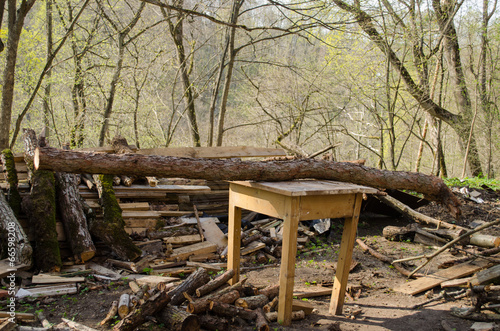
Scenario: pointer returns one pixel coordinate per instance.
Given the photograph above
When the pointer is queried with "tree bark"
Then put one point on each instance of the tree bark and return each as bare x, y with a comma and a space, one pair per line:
73, 217
227, 310
16, 18
163, 166
40, 206
214, 323
215, 283
197, 279
176, 319
110, 229
253, 302
12, 232
13, 195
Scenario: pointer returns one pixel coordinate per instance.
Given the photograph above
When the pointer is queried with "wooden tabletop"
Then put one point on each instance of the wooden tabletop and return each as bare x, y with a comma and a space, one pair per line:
308, 187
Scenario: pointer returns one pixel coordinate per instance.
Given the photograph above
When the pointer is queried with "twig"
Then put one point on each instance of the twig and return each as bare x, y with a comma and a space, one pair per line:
198, 222
451, 243
442, 295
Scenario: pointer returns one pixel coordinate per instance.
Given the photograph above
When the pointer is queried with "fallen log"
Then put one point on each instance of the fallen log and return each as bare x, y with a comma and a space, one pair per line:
176, 319
252, 302
203, 304
197, 279
163, 166
296, 316
113, 310
261, 322
215, 283
214, 323
73, 217
227, 310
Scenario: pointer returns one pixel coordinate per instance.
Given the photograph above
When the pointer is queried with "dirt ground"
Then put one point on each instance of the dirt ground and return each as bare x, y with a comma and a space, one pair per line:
378, 307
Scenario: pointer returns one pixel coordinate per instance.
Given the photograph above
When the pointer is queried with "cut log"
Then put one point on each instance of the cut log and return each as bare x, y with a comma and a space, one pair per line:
12, 235
113, 310
270, 291
227, 310
485, 276
12, 181
110, 228
261, 322
215, 283
253, 302
271, 306
142, 165
123, 305
73, 217
138, 316
40, 206
197, 279
176, 319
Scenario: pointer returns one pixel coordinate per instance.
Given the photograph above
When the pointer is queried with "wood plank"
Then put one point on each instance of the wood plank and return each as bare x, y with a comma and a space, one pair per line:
134, 206
252, 247
300, 294
193, 221
195, 249
213, 233
52, 279
175, 213
99, 269
183, 240
153, 280
209, 266
45, 291
214, 152
428, 282
140, 214
140, 223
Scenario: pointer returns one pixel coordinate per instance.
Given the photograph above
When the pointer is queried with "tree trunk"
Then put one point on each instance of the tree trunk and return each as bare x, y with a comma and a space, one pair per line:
12, 232
253, 302
13, 195
40, 206
176, 319
73, 217
111, 228
16, 18
162, 166
214, 323
227, 310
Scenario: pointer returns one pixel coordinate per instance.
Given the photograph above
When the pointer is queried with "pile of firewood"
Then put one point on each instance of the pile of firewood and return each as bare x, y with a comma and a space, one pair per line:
199, 300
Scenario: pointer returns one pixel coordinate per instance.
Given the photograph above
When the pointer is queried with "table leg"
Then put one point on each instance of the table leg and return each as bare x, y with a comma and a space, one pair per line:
288, 253
234, 241
344, 260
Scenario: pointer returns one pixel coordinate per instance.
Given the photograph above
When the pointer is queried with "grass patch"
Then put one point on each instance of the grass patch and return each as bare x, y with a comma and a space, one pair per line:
475, 182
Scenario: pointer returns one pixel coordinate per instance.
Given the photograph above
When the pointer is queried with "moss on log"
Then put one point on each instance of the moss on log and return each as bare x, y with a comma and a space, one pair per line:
110, 229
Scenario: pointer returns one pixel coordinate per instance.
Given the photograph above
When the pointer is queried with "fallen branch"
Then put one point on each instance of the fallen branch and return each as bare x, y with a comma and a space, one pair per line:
445, 247
385, 259
442, 295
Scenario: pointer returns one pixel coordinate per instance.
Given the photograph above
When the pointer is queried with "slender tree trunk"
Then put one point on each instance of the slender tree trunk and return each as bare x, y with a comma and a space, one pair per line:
16, 18
46, 99
229, 71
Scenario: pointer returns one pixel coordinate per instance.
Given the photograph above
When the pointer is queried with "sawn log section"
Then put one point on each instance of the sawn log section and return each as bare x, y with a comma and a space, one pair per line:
164, 166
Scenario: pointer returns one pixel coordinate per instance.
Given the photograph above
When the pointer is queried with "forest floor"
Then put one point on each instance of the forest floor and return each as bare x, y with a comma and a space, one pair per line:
378, 307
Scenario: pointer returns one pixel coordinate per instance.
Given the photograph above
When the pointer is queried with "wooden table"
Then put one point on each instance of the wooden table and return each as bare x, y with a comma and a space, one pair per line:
295, 201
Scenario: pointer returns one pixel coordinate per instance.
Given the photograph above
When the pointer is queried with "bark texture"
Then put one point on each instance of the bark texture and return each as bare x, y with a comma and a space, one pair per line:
11, 176
12, 231
73, 217
163, 166
110, 229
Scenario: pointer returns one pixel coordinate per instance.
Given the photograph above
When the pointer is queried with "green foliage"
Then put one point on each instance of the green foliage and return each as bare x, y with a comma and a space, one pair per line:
474, 182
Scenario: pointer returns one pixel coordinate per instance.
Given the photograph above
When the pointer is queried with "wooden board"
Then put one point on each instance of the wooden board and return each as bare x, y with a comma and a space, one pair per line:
180, 240
134, 206
43, 291
213, 233
140, 223
428, 282
140, 214
214, 152
153, 280
51, 279
195, 249
308, 187
193, 221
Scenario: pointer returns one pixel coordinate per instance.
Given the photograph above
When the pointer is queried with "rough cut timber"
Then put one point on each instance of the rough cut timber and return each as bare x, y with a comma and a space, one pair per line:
73, 217
163, 166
